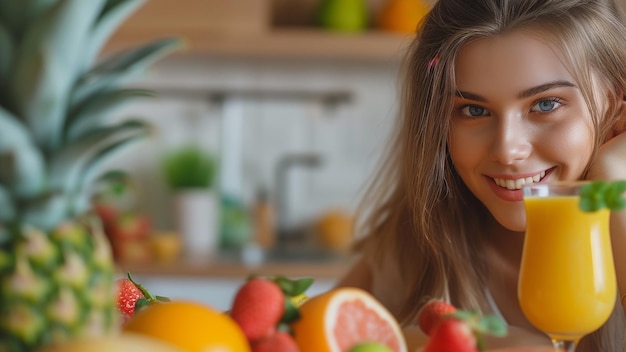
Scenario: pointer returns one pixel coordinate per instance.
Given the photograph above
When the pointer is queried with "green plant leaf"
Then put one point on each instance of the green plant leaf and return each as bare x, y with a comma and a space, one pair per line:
22, 166
291, 313
112, 15
46, 67
597, 195
120, 67
189, 167
93, 113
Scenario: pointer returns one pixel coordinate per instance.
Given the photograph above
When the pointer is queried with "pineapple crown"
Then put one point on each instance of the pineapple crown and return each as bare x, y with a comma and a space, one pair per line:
55, 97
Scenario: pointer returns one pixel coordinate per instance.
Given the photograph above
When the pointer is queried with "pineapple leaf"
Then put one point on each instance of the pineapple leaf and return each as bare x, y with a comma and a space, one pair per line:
22, 167
92, 113
92, 169
113, 13
68, 166
18, 16
46, 211
6, 48
7, 211
46, 61
119, 68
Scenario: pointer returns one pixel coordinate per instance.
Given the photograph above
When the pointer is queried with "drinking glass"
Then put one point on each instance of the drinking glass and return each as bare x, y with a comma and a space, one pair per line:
567, 284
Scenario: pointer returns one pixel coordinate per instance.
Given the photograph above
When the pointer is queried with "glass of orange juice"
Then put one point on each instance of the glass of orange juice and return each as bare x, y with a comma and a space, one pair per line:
567, 284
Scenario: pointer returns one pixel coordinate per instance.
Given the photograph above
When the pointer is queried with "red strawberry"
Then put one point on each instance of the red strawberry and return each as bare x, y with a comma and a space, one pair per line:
432, 313
258, 307
451, 335
127, 296
279, 341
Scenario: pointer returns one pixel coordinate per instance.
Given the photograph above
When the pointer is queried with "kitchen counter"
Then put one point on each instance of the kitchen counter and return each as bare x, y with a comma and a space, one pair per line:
216, 280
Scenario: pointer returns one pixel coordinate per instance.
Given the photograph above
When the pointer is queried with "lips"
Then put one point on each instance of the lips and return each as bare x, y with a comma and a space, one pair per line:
510, 189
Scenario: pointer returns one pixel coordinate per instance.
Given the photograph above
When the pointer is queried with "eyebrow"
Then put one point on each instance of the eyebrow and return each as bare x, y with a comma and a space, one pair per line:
523, 94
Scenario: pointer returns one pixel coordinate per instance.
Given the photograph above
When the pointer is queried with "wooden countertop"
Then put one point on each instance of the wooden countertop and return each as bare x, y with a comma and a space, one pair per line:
231, 267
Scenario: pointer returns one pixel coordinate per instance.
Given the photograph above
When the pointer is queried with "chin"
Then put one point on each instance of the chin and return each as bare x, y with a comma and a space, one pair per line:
515, 224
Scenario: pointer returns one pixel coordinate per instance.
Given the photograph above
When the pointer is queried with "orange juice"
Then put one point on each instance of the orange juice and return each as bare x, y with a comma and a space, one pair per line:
567, 285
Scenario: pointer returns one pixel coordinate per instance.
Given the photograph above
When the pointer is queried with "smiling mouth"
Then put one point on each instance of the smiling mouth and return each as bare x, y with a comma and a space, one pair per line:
515, 184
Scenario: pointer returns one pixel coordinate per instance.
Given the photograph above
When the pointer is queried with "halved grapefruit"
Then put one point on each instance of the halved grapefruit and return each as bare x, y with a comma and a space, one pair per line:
339, 319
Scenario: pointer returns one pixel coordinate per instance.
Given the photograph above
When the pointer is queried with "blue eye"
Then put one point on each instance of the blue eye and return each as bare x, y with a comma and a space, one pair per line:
474, 110
546, 105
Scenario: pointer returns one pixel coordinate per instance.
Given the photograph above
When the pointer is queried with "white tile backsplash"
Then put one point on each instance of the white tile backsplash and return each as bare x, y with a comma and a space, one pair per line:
349, 136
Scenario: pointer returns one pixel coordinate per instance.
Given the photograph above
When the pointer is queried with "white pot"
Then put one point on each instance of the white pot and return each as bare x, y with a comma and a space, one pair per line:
197, 219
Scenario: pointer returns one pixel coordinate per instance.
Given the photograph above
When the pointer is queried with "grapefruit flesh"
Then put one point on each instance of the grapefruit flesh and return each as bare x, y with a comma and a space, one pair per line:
342, 318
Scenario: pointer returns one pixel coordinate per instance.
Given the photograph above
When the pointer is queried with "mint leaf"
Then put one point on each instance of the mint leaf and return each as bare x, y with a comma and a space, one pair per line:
600, 194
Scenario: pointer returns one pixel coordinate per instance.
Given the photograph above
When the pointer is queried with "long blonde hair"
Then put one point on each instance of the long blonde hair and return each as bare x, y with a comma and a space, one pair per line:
424, 219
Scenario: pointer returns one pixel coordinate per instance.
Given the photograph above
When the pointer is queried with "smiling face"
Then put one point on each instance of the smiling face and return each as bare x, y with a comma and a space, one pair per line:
518, 118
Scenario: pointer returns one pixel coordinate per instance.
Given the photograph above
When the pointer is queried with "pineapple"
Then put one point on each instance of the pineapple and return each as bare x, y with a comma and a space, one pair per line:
56, 268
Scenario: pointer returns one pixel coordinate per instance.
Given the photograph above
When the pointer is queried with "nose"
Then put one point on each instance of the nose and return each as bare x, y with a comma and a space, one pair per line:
511, 142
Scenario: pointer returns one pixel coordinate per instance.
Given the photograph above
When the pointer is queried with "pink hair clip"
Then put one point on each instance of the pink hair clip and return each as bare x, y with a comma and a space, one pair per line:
433, 62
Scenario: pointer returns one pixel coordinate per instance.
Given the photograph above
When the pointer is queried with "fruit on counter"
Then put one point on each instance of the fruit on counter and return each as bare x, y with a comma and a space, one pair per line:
191, 326
461, 331
341, 318
402, 16
452, 335
370, 347
432, 313
55, 284
258, 307
343, 15
125, 342
334, 230
132, 297
279, 341
127, 296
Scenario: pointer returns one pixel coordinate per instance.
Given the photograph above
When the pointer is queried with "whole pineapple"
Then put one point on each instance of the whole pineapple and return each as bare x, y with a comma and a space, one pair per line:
56, 269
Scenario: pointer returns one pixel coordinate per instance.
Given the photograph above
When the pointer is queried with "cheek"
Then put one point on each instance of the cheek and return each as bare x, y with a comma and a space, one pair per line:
464, 147
571, 144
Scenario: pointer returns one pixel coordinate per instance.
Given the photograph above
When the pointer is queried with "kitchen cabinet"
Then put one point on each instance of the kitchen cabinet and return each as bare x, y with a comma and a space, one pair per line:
244, 28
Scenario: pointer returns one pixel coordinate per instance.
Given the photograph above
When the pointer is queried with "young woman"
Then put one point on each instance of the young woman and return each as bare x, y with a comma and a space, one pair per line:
498, 93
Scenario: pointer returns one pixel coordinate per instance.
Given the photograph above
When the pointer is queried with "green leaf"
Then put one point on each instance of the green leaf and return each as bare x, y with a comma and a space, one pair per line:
600, 194
46, 211
22, 166
291, 287
492, 325
291, 313
93, 113
118, 68
7, 210
46, 66
6, 56
112, 15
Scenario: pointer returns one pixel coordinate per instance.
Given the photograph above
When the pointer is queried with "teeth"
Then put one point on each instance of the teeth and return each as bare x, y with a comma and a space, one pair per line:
520, 182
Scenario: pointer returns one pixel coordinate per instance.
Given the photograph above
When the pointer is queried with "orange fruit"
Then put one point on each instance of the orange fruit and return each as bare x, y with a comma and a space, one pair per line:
126, 342
191, 326
340, 319
402, 16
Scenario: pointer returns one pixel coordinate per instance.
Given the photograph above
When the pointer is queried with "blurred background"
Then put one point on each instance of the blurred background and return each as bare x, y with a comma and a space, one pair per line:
268, 125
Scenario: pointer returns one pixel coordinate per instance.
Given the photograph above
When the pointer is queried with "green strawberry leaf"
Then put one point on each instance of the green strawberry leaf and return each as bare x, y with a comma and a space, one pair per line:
492, 325
291, 313
291, 287
600, 194
141, 304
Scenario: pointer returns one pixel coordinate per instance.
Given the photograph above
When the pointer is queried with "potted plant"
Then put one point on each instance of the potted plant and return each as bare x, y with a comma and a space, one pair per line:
190, 172
56, 268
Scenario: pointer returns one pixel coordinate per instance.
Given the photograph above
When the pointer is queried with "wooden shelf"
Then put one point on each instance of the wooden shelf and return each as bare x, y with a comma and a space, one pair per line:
220, 268
313, 44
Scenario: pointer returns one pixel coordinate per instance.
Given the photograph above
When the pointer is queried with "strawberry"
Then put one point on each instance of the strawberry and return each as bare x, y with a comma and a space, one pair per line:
127, 296
432, 313
279, 341
132, 296
258, 307
451, 335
